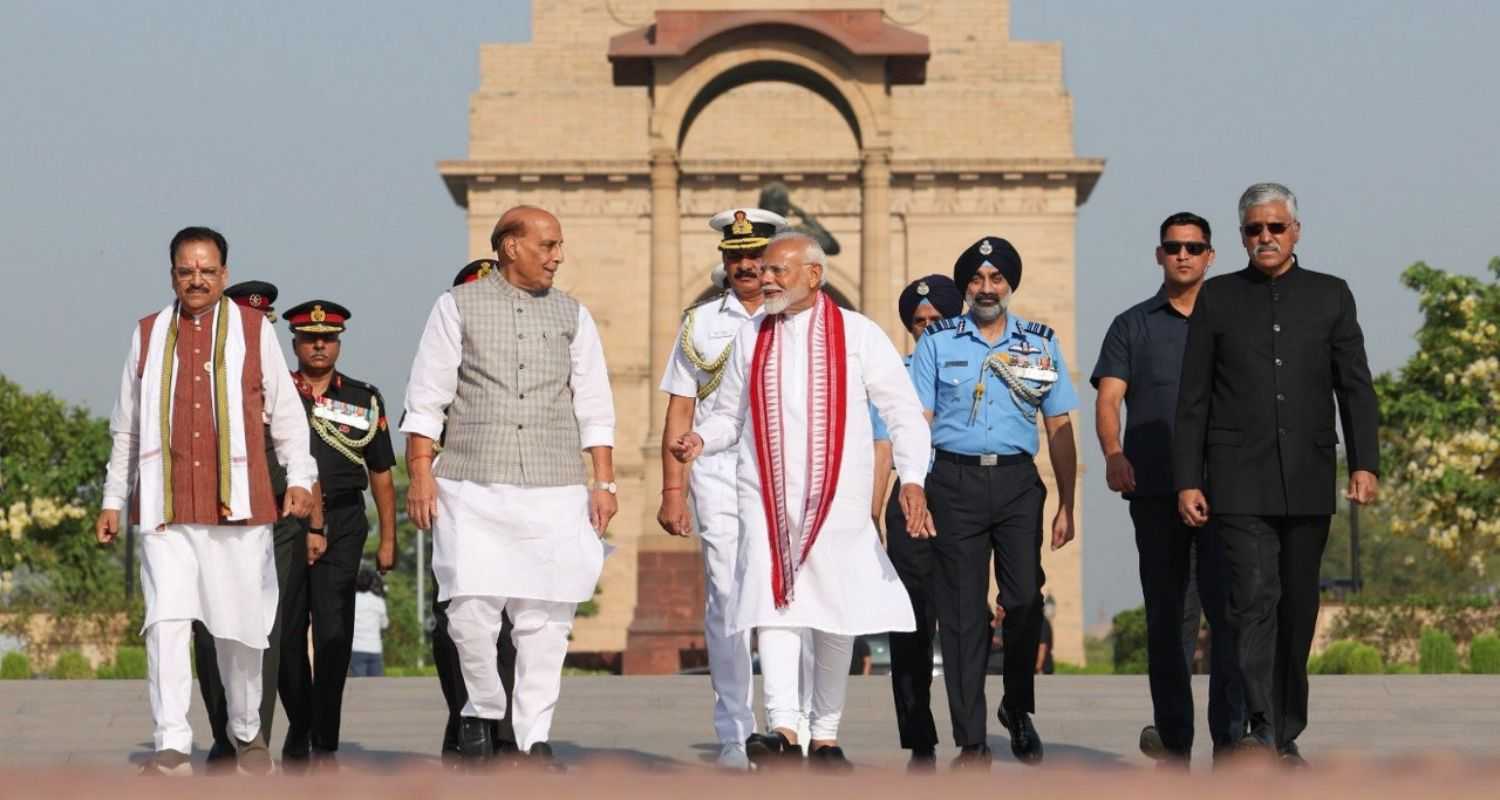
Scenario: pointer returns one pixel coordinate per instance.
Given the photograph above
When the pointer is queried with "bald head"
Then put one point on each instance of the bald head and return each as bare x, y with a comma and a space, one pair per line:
528, 244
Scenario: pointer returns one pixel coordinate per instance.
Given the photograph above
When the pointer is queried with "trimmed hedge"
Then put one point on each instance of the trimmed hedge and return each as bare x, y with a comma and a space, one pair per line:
71, 666
1484, 654
1437, 653
129, 664
1346, 657
15, 666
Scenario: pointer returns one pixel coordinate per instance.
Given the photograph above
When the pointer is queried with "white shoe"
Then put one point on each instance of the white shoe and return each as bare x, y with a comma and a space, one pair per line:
732, 757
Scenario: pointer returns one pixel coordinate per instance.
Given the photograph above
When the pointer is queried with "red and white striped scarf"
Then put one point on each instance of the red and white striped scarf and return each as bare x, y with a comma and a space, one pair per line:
827, 389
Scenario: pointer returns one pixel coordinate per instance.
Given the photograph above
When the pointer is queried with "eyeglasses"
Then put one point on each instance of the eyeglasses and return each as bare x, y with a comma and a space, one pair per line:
185, 274
1276, 228
1193, 248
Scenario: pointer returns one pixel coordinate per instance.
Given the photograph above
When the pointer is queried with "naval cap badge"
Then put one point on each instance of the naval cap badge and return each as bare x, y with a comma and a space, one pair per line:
741, 226
985, 248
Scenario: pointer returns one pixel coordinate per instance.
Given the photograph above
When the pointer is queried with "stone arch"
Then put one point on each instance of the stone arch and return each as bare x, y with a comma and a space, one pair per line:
686, 94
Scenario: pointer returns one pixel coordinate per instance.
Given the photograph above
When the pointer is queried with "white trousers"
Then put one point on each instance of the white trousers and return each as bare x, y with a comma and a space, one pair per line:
729, 663
169, 681
539, 629
782, 656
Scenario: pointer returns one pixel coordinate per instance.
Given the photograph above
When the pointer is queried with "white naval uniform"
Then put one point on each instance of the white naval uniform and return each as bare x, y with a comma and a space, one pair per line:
531, 551
206, 572
715, 510
847, 585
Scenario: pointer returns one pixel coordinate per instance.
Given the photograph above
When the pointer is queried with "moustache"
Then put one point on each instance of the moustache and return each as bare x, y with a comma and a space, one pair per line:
1268, 248
987, 299
746, 273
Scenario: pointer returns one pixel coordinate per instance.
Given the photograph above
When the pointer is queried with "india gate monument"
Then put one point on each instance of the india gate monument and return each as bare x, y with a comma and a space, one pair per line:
901, 131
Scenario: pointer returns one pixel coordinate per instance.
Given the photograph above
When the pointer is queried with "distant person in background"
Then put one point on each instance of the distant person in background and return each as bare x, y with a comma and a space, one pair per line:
365, 659
1044, 644
863, 660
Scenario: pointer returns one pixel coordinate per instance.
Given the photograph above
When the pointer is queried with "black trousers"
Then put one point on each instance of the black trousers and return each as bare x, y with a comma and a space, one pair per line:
316, 695
451, 678
1168, 552
289, 537
1273, 564
979, 512
911, 653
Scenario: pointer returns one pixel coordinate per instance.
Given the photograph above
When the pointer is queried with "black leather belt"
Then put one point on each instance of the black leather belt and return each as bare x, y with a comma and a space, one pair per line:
986, 460
343, 500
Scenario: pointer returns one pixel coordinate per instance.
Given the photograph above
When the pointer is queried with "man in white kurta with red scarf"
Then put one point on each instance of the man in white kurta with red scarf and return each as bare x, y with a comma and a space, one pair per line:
803, 379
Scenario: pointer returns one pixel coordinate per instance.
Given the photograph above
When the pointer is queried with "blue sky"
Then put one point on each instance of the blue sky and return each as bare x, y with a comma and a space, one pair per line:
310, 132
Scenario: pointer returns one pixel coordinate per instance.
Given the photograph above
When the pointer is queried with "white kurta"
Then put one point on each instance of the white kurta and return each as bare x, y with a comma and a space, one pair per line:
501, 540
206, 572
847, 584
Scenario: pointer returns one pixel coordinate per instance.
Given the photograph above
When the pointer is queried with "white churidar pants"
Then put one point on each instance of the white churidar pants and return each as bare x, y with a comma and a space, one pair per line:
169, 672
781, 664
225, 576
540, 631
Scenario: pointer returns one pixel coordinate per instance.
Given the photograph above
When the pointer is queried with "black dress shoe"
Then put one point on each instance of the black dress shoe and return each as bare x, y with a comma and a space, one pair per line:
474, 743
772, 749
1291, 756
1151, 745
221, 751
540, 755
1025, 743
829, 758
923, 759
973, 756
450, 752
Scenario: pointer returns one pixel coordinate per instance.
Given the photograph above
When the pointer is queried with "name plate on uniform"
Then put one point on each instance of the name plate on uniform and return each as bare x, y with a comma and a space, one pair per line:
342, 413
1036, 374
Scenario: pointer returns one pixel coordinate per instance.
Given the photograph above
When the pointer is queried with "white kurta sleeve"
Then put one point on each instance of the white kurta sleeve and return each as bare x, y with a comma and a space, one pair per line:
681, 378
731, 406
889, 387
593, 400
433, 382
125, 431
289, 430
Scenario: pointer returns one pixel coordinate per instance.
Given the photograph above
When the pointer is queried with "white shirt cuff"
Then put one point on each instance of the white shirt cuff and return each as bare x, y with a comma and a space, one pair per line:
114, 503
597, 436
423, 425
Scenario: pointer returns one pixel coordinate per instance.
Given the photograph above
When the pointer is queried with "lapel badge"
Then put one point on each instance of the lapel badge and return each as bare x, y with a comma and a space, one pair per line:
985, 248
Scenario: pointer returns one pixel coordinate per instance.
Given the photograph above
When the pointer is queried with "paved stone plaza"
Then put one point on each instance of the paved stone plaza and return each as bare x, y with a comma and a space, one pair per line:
664, 722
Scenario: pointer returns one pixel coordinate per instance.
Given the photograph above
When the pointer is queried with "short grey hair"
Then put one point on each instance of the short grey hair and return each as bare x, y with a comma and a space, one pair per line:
812, 252
1261, 193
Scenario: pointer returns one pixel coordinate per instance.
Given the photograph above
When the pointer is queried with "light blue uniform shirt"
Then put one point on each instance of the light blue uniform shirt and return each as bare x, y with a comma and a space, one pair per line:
948, 362
882, 434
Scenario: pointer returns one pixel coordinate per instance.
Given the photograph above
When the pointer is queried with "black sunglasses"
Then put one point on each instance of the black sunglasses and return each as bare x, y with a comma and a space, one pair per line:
1193, 248
1276, 228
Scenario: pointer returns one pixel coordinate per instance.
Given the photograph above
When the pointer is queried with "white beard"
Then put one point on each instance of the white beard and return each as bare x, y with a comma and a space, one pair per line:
778, 304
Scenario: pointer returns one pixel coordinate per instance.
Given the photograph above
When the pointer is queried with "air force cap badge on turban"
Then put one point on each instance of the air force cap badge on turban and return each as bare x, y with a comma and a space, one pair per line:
474, 270
991, 250
317, 316
935, 289
259, 295
746, 228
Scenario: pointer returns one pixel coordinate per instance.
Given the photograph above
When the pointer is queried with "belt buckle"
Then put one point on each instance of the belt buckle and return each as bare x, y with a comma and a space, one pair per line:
989, 459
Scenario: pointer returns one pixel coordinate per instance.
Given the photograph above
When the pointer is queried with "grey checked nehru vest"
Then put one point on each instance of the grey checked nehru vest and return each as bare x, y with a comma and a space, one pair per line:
512, 419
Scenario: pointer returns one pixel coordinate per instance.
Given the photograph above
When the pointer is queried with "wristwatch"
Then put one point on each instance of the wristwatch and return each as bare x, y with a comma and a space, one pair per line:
606, 486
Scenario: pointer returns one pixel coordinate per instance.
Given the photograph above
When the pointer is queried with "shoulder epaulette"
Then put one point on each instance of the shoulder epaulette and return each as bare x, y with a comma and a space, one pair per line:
712, 299
955, 324
1039, 329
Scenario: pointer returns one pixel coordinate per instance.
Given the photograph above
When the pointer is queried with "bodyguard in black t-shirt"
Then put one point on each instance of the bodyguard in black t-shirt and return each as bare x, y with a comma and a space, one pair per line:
1140, 363
353, 448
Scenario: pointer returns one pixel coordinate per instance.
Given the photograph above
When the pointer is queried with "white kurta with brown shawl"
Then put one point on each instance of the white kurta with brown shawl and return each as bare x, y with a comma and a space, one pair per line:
846, 585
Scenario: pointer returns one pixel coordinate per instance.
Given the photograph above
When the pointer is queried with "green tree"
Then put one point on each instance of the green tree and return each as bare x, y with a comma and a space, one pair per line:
1441, 420
1128, 629
52, 459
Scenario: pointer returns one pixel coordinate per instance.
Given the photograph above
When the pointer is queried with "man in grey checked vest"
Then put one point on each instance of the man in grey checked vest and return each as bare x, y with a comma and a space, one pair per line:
515, 369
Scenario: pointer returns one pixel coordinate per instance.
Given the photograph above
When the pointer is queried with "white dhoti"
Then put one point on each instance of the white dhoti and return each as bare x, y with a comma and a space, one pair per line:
528, 551
224, 576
